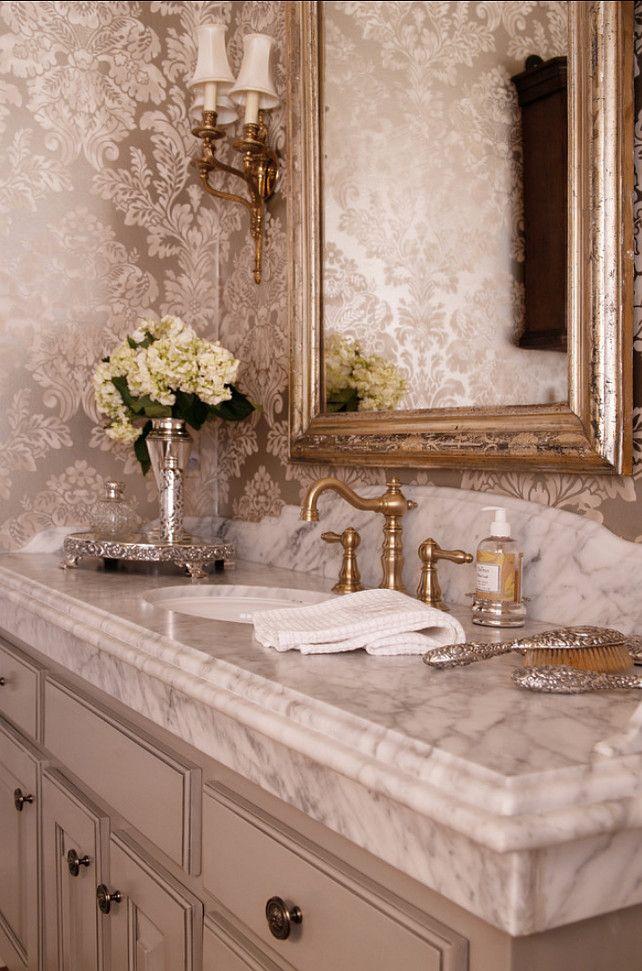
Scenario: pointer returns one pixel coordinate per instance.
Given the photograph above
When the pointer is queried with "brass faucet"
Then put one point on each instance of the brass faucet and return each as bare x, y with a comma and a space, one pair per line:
392, 505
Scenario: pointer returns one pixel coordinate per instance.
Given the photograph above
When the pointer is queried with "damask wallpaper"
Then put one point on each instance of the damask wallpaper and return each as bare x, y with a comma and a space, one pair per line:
422, 205
102, 220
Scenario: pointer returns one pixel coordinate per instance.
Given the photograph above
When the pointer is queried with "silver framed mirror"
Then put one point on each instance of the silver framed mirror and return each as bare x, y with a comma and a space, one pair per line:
589, 428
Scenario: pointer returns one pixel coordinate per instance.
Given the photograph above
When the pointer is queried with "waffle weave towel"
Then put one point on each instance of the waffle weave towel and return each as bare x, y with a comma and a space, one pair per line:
380, 621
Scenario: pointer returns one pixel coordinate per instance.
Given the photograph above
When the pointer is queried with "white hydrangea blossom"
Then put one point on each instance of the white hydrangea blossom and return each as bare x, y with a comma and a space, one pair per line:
378, 383
341, 356
168, 356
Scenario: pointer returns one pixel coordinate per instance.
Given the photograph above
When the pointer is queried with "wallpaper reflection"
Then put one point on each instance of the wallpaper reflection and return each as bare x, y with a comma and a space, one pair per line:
423, 209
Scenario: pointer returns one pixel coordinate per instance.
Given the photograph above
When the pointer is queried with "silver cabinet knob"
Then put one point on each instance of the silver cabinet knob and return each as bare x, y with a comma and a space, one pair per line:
106, 898
19, 799
280, 917
74, 862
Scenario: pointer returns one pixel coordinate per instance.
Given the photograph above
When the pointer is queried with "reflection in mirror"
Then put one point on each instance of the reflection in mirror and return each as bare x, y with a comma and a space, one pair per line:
443, 188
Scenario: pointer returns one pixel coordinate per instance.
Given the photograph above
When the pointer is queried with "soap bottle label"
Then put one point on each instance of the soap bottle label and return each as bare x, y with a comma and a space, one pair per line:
498, 576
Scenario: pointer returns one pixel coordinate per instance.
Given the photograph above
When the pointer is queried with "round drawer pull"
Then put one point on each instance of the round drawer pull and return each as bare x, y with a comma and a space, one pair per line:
3, 681
74, 862
106, 898
280, 917
19, 799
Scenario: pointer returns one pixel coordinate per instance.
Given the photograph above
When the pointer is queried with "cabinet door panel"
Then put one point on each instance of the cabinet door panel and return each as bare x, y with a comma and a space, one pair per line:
158, 924
73, 930
19, 850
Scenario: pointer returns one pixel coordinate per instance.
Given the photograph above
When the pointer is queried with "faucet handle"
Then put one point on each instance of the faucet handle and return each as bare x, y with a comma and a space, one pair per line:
430, 552
349, 577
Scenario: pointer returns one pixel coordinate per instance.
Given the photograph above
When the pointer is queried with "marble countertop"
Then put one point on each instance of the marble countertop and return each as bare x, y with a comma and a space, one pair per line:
508, 770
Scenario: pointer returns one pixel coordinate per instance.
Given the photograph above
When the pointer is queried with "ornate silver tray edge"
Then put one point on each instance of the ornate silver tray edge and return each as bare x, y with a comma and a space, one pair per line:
190, 553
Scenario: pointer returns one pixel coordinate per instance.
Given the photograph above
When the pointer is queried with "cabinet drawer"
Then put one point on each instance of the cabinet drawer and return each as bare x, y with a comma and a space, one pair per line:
20, 690
347, 921
154, 789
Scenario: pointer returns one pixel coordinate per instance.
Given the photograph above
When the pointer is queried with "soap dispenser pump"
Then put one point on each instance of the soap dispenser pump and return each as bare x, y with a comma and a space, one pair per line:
498, 576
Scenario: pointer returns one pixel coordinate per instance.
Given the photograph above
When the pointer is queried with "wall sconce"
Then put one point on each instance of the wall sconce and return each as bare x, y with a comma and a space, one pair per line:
219, 93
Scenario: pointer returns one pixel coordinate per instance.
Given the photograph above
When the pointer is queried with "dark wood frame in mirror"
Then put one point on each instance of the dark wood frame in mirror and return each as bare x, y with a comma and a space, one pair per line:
593, 432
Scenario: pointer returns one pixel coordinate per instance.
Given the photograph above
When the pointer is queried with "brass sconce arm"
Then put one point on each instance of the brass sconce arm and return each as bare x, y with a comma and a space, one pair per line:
259, 173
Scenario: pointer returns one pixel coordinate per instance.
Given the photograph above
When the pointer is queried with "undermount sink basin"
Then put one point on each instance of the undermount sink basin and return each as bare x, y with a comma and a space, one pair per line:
232, 603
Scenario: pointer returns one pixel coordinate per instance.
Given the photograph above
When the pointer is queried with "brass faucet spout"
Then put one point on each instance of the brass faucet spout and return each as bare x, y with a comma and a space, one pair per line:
309, 510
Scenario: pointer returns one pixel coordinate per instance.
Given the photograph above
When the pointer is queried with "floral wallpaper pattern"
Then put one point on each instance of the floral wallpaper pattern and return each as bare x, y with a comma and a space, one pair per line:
422, 209
102, 219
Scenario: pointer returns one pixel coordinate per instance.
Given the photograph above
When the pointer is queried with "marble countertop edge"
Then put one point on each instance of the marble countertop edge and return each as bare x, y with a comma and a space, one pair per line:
504, 825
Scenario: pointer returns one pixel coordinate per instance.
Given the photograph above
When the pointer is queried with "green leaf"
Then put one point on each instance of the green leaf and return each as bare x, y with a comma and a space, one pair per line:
152, 409
120, 383
147, 340
140, 448
143, 405
191, 409
236, 408
346, 399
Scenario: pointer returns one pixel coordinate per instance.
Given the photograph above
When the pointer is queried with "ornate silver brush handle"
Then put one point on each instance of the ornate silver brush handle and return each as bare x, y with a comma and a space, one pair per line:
459, 655
569, 681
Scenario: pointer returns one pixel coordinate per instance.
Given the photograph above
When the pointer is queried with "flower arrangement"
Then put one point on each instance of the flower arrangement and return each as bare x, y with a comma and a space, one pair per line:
164, 370
355, 381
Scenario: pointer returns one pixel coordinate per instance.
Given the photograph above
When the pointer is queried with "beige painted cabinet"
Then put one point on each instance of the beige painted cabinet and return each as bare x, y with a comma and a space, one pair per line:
115, 855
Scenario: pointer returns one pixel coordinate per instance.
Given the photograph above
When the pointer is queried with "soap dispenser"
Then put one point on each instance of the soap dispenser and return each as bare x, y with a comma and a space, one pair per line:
498, 577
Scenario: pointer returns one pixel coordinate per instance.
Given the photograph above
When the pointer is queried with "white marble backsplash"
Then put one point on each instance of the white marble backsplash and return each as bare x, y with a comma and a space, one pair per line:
575, 570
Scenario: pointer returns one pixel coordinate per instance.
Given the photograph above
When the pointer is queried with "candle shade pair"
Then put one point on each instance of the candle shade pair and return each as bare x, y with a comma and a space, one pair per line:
216, 87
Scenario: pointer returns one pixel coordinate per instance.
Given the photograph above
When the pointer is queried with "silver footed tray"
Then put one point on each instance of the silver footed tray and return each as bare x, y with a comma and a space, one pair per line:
191, 553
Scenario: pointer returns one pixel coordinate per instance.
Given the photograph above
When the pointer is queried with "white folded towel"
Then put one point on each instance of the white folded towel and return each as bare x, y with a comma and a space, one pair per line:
381, 621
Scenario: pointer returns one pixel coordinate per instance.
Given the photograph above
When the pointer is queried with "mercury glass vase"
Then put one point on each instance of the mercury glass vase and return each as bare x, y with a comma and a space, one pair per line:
169, 444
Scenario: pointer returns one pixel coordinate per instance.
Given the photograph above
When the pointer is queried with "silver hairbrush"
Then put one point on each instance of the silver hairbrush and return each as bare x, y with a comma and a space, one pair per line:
585, 648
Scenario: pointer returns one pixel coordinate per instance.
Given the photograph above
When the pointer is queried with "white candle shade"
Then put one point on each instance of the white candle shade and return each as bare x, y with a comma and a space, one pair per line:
226, 112
255, 74
212, 64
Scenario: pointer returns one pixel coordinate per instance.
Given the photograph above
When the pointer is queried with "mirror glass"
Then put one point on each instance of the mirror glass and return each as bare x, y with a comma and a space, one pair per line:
444, 204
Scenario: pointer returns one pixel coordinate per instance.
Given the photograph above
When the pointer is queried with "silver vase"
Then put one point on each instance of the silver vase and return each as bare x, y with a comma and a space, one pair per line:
169, 445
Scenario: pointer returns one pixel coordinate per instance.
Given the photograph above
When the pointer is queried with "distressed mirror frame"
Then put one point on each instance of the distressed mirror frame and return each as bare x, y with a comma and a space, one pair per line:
593, 432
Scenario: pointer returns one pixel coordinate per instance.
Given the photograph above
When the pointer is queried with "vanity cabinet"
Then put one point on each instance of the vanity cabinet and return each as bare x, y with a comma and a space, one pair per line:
19, 811
124, 849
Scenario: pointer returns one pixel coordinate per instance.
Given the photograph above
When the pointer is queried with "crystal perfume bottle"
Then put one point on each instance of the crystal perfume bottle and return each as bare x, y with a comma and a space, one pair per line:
113, 517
